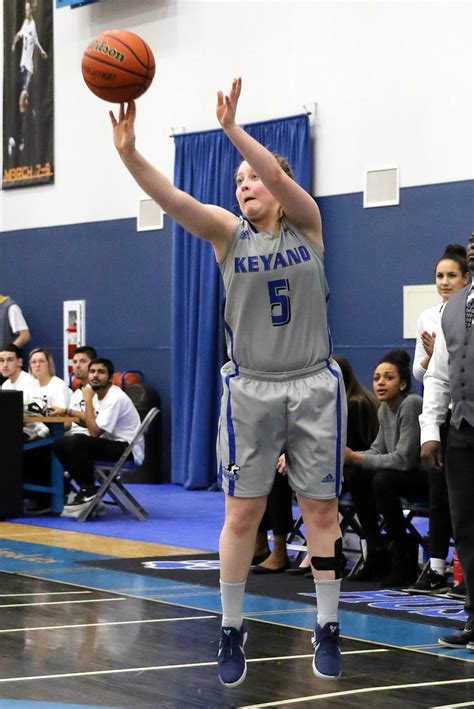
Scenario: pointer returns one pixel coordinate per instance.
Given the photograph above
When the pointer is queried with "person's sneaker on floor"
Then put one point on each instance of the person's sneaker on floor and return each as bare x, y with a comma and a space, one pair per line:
458, 640
74, 512
327, 661
231, 663
458, 591
429, 582
81, 501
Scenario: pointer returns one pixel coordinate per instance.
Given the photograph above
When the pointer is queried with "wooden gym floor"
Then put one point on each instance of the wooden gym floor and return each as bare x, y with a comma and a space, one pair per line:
72, 635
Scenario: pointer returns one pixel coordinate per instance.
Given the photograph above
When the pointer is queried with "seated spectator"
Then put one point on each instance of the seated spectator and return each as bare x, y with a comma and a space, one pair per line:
451, 274
11, 363
278, 516
81, 359
112, 422
362, 419
48, 390
362, 422
389, 469
16, 379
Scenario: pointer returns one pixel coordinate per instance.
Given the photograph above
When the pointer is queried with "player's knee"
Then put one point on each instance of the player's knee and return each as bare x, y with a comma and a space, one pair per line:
334, 563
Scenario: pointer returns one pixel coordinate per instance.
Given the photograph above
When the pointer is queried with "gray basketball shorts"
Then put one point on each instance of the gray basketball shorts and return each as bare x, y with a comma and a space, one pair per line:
302, 413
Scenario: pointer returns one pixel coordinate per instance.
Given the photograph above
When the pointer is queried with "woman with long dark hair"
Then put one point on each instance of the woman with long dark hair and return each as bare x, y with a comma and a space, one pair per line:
388, 470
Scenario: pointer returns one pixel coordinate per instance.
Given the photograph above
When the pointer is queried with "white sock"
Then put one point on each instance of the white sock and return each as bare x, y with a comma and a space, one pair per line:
327, 600
438, 565
232, 599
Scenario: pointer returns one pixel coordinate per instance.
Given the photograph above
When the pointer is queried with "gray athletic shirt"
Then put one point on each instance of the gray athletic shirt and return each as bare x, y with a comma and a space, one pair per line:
276, 300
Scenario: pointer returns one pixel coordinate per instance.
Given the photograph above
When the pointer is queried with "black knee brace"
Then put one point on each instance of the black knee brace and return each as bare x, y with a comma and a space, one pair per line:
334, 563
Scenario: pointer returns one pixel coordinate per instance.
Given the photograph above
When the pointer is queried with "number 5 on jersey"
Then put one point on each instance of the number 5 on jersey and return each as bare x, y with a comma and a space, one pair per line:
279, 301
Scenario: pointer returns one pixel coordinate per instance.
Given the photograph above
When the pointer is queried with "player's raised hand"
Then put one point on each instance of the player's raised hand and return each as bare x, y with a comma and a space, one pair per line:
124, 128
227, 105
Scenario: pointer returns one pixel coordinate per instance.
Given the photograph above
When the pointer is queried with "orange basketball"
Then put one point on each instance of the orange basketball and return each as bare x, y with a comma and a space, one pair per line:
118, 66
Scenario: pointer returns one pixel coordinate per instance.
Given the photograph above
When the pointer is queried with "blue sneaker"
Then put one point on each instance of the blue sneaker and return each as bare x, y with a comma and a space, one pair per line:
327, 662
231, 663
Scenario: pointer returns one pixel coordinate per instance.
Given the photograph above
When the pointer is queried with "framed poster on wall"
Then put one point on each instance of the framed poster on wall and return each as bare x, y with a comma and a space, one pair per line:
28, 93
74, 331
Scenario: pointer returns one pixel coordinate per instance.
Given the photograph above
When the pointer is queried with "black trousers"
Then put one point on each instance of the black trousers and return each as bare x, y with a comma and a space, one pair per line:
278, 514
440, 525
379, 491
78, 452
460, 478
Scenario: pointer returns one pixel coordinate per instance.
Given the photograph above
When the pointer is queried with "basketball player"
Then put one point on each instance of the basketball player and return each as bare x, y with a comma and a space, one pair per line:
281, 389
29, 35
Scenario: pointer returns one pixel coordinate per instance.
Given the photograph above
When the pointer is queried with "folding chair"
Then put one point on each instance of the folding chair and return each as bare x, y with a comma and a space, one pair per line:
109, 472
348, 522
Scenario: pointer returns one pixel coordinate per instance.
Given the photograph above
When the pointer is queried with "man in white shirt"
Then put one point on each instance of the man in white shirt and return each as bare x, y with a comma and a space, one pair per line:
81, 359
15, 378
11, 363
450, 378
112, 421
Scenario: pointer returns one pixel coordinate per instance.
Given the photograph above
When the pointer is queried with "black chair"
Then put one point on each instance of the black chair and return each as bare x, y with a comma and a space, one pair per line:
348, 522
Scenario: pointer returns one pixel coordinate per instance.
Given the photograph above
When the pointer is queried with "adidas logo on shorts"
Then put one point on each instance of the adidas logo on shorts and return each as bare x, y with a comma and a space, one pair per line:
329, 478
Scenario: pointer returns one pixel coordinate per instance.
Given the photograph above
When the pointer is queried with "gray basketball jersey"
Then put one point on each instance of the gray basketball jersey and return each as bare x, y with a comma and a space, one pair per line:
276, 300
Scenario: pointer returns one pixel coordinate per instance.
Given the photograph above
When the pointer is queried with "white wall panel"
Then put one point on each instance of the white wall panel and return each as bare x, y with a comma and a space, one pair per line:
393, 82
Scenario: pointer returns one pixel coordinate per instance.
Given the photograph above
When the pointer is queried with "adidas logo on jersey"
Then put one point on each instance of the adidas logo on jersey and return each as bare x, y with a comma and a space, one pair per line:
329, 478
245, 234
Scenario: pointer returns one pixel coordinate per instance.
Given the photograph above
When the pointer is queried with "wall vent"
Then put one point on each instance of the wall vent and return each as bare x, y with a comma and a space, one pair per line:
150, 215
382, 187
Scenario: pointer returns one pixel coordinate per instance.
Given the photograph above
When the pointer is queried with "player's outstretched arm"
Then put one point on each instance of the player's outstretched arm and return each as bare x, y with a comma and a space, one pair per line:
297, 204
205, 221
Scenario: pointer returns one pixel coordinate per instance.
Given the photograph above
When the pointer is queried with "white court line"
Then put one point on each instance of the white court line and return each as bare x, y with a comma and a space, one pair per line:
98, 625
60, 603
452, 706
287, 611
155, 668
350, 692
44, 593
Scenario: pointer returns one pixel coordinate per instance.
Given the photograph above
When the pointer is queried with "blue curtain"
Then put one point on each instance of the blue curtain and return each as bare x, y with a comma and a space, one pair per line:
204, 167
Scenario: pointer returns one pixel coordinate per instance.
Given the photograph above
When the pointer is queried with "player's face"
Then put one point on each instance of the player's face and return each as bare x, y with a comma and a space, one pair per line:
99, 377
255, 201
449, 278
80, 367
387, 383
9, 364
39, 366
28, 11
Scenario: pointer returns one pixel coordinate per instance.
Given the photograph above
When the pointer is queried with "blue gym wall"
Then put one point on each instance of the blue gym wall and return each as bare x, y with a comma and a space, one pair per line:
372, 253
125, 278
